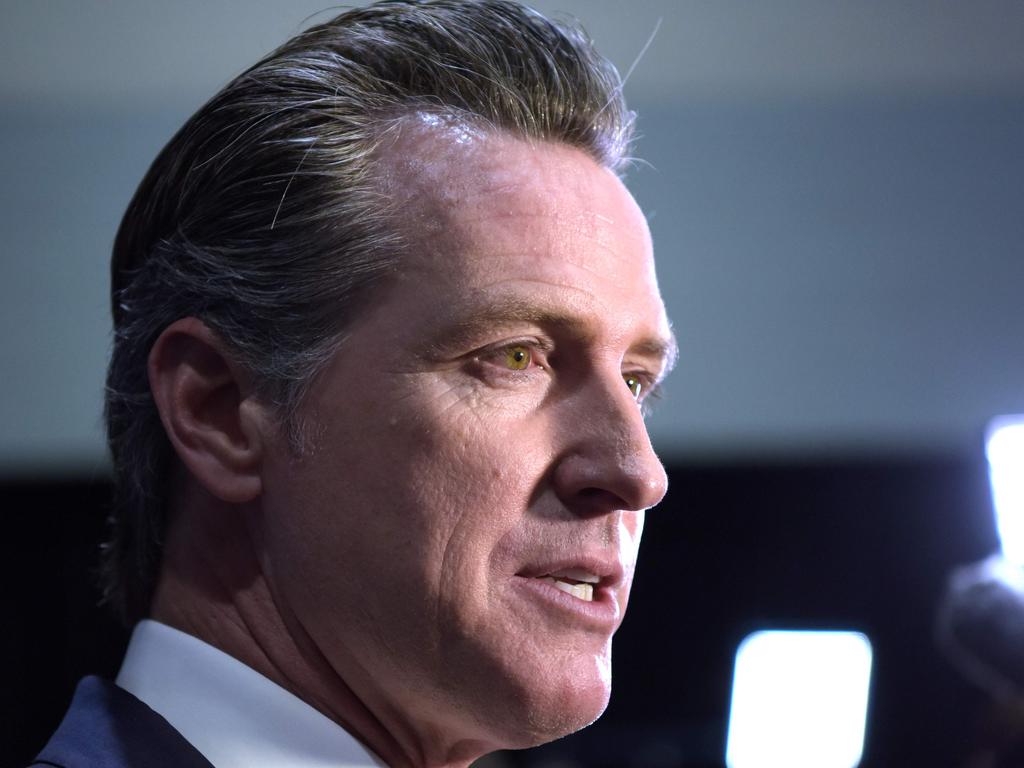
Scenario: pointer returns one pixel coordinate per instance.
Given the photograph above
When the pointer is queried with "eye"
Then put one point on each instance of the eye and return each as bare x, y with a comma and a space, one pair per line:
634, 384
517, 357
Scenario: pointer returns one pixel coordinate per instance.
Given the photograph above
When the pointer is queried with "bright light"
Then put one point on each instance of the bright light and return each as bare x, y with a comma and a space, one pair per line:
1004, 446
799, 700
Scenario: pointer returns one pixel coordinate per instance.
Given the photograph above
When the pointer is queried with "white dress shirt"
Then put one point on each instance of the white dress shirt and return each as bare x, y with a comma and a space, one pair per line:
232, 714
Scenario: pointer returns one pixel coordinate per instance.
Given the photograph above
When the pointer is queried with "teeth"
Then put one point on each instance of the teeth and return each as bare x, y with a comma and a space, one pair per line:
577, 574
582, 591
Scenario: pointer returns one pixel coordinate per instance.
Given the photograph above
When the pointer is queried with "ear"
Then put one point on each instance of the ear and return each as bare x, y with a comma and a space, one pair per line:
208, 411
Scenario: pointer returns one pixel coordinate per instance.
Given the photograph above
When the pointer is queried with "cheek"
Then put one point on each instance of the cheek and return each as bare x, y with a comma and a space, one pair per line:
471, 487
415, 493
438, 477
467, 489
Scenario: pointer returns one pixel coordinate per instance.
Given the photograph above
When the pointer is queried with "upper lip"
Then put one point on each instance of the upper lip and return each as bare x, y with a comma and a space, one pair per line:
607, 568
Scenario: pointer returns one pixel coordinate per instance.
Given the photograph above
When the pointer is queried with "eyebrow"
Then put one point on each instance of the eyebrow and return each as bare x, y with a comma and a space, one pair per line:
475, 316
666, 350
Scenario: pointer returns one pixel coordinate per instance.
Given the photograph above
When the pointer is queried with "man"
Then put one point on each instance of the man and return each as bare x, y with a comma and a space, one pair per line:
384, 319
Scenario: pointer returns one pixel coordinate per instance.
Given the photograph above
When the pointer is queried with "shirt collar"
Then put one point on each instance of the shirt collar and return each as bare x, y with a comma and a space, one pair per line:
233, 715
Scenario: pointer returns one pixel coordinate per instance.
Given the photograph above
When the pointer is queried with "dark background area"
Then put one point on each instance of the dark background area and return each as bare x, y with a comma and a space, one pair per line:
862, 543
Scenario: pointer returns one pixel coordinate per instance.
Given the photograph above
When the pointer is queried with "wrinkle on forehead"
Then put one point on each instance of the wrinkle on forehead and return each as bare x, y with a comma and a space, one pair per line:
496, 199
437, 162
437, 178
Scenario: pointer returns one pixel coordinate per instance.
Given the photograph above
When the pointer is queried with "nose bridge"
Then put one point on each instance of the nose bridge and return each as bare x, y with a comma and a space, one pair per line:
613, 450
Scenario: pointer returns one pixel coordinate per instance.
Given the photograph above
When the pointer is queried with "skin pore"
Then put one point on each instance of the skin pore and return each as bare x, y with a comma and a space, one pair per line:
478, 434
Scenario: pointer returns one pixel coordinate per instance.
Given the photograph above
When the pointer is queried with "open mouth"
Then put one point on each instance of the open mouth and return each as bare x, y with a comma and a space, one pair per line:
578, 583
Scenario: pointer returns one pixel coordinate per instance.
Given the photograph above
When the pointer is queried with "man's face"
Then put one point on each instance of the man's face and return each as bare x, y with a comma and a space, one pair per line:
460, 540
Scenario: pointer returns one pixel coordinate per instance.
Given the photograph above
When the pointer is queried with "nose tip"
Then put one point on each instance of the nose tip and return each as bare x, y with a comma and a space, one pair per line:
611, 465
655, 486
647, 478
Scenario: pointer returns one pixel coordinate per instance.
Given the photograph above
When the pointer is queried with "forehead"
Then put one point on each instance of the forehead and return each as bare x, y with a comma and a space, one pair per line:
450, 179
488, 215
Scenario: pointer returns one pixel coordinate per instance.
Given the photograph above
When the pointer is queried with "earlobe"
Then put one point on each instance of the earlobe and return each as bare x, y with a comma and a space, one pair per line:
208, 410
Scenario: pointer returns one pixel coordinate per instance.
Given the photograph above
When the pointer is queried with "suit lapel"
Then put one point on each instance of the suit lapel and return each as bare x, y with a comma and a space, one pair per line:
107, 727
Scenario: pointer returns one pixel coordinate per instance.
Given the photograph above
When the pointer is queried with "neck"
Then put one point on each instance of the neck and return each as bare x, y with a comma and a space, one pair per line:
213, 587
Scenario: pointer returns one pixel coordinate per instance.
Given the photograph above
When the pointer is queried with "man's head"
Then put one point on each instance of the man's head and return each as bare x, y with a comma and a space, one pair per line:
383, 306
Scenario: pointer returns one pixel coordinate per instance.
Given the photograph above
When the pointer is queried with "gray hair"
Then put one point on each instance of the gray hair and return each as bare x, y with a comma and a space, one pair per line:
264, 217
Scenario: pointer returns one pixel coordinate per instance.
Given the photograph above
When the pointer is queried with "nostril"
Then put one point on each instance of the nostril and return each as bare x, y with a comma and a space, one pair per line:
594, 500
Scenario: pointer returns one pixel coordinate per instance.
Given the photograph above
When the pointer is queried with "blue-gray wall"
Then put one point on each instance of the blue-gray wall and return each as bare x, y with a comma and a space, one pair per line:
839, 226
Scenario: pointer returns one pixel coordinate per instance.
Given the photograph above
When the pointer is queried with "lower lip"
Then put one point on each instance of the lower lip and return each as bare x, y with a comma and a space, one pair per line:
602, 612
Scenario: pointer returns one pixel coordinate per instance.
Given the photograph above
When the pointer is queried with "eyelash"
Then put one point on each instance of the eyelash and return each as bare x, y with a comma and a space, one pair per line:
534, 349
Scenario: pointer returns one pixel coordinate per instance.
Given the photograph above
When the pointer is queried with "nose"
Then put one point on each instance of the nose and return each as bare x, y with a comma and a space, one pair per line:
608, 464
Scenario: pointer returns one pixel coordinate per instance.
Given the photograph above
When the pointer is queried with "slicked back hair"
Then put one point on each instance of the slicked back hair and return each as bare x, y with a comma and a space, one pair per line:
264, 218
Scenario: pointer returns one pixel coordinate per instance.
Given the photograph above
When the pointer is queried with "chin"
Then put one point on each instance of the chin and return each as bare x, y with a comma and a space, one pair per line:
549, 707
542, 725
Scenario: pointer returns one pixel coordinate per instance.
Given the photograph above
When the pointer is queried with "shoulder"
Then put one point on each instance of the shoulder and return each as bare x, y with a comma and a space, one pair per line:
107, 727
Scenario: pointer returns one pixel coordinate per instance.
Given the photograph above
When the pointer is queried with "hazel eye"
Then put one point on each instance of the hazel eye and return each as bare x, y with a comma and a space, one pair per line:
518, 358
634, 384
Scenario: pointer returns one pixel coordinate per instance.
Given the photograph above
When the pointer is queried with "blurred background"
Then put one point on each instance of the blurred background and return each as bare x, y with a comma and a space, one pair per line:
836, 198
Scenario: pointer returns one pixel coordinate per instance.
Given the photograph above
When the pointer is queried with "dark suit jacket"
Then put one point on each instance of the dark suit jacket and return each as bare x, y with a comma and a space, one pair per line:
107, 727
